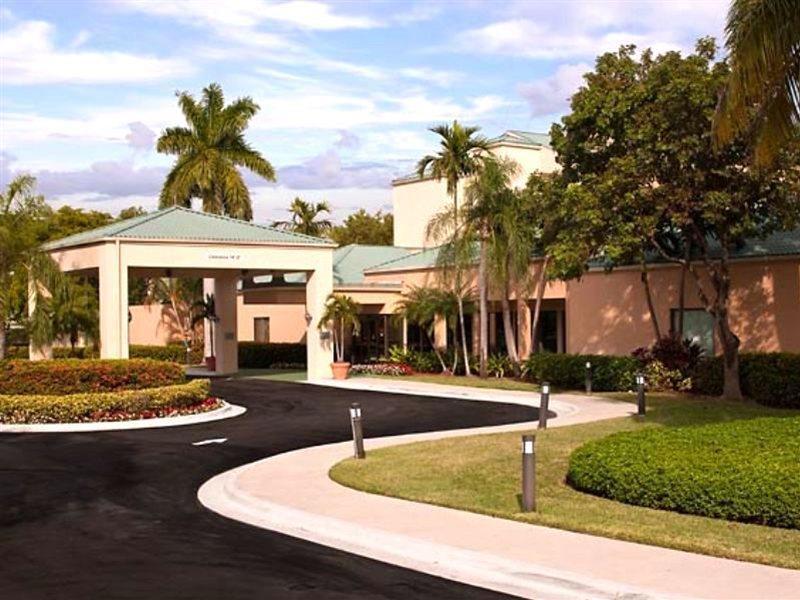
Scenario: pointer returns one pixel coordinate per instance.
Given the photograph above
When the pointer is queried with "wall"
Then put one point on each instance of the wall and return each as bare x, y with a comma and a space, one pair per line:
607, 313
152, 325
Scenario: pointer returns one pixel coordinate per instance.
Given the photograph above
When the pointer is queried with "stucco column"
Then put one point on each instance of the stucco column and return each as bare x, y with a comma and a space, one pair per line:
319, 351
440, 333
405, 333
208, 288
523, 328
226, 346
113, 274
45, 351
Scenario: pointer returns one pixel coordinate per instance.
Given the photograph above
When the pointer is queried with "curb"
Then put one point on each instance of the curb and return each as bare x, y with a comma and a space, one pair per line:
226, 411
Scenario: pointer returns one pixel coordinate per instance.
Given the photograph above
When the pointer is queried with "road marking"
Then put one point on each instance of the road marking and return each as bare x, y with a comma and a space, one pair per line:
211, 441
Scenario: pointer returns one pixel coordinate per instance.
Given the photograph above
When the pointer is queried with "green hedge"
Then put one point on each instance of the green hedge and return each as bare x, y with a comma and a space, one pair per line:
74, 376
568, 371
172, 353
76, 408
256, 355
772, 379
743, 470
21, 352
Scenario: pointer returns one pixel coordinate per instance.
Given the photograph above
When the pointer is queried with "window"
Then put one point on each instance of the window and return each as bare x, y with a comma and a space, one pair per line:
698, 326
261, 329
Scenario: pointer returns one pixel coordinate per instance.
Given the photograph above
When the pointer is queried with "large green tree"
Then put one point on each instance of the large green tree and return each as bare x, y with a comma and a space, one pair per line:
637, 153
305, 218
762, 96
461, 154
211, 149
362, 227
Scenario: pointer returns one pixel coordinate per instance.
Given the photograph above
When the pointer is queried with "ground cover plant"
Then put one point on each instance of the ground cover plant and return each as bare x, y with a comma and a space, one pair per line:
481, 473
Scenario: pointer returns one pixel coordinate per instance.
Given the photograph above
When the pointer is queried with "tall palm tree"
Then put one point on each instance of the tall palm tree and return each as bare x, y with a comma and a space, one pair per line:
763, 93
340, 316
305, 218
210, 151
461, 154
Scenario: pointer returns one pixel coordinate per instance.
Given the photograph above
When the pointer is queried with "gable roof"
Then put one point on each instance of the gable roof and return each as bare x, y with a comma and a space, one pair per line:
350, 262
182, 224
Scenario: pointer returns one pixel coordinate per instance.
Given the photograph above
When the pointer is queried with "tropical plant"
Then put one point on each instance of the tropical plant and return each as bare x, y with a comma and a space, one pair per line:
305, 218
462, 154
361, 227
762, 96
180, 295
75, 311
340, 317
206, 310
26, 272
210, 151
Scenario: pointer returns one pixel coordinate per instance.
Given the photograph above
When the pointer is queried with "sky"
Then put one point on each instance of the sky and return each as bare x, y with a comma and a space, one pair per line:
347, 90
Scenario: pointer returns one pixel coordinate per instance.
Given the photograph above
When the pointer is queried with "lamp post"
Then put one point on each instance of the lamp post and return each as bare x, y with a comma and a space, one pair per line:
588, 377
358, 432
528, 473
544, 404
640, 399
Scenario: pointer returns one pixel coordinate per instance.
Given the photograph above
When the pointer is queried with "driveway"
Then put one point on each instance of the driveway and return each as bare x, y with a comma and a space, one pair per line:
115, 515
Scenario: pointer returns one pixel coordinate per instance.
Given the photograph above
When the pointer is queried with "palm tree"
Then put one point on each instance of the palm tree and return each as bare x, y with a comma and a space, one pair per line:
75, 311
180, 295
485, 197
26, 272
210, 151
206, 310
763, 92
340, 316
305, 218
461, 154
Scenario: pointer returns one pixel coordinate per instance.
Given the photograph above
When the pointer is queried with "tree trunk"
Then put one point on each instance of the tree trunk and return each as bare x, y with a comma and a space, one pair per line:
483, 308
2, 339
682, 288
731, 387
537, 310
437, 353
463, 335
511, 346
648, 294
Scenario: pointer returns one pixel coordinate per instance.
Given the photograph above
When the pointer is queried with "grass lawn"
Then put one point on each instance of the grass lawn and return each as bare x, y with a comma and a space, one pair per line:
482, 474
271, 374
491, 382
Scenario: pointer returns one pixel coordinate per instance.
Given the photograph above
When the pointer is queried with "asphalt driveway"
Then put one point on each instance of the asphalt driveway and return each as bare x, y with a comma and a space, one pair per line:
115, 515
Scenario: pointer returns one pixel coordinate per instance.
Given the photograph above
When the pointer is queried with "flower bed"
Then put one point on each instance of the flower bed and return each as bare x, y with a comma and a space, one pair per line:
381, 369
184, 398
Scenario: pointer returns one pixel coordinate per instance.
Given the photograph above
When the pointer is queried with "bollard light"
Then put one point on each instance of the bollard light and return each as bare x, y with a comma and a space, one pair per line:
544, 403
641, 409
588, 377
528, 473
358, 431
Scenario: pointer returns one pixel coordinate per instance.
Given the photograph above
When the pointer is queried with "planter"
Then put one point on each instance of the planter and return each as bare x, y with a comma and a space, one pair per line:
340, 370
211, 363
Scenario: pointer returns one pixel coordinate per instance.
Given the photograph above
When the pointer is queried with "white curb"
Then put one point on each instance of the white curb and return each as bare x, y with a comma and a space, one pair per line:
226, 411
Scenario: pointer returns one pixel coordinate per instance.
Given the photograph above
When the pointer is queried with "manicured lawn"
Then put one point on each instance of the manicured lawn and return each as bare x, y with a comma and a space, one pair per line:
491, 382
482, 474
271, 374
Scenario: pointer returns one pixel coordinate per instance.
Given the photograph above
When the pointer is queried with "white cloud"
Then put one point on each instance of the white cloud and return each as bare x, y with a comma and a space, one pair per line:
140, 136
271, 203
315, 15
29, 56
551, 94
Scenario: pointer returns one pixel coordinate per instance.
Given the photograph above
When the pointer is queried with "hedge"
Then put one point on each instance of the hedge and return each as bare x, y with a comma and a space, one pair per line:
73, 376
772, 379
257, 355
76, 408
21, 352
172, 353
609, 373
744, 470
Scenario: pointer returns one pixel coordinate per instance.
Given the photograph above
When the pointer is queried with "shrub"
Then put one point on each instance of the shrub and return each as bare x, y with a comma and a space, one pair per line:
420, 361
743, 470
381, 369
21, 352
73, 376
772, 379
609, 373
171, 352
257, 355
76, 408
499, 365
675, 354
661, 379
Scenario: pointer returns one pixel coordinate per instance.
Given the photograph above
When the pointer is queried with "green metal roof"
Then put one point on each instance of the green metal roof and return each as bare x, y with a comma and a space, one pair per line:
420, 259
182, 224
350, 262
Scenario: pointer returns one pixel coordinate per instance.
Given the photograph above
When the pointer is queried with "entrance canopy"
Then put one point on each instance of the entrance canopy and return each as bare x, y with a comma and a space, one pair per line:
178, 242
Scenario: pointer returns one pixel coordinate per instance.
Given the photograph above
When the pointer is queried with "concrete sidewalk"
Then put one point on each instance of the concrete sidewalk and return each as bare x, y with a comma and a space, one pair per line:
293, 494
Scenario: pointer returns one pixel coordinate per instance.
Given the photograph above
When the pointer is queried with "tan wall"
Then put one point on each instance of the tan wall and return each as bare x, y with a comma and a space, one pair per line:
287, 322
414, 203
152, 325
607, 313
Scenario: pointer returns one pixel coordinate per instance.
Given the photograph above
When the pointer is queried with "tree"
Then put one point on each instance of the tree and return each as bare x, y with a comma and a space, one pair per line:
26, 272
205, 310
461, 154
340, 316
305, 218
637, 151
181, 295
75, 311
361, 227
762, 96
131, 212
68, 221
210, 152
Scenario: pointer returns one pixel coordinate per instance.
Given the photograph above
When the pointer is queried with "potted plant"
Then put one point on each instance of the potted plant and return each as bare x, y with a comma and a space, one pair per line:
206, 310
340, 316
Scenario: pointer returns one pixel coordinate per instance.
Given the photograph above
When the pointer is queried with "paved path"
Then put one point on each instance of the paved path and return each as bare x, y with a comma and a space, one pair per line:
498, 554
115, 514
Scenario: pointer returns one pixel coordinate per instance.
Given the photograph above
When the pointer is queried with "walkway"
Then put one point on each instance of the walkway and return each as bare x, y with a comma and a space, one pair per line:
293, 494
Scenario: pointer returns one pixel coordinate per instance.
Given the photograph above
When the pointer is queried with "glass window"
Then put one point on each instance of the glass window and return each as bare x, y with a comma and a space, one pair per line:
698, 326
261, 329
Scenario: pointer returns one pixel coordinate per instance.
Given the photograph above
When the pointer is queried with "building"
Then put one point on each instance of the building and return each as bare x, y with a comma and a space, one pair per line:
602, 313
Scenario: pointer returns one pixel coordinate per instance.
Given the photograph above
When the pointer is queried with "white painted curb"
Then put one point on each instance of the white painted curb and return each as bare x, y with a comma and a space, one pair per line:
226, 411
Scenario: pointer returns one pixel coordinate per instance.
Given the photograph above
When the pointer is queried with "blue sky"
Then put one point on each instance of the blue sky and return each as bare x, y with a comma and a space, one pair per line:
346, 89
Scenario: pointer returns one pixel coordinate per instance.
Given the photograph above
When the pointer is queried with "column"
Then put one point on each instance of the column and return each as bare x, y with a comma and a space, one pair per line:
319, 347
476, 333
208, 288
226, 346
440, 333
405, 333
113, 275
561, 331
523, 328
